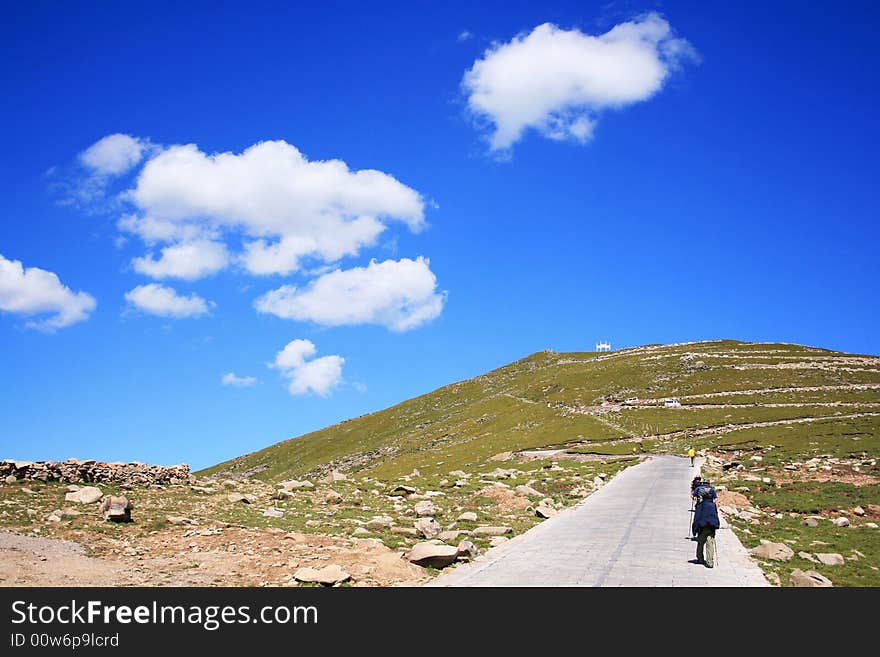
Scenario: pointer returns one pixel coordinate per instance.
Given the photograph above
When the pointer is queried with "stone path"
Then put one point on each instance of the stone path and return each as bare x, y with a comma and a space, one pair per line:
631, 532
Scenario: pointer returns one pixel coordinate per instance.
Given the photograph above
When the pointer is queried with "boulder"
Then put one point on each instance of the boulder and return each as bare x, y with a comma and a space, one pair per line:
450, 535
527, 490
238, 497
117, 508
774, 551
809, 578
438, 555
498, 540
830, 558
492, 531
11, 479
841, 522
859, 511
598, 482
272, 512
545, 511
807, 556
403, 491
871, 525
334, 476
55, 516
468, 516
85, 495
328, 575
332, 497
467, 549
380, 522
425, 508
811, 522
428, 527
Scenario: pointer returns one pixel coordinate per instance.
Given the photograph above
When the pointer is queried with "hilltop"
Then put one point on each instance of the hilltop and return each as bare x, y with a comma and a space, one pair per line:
731, 394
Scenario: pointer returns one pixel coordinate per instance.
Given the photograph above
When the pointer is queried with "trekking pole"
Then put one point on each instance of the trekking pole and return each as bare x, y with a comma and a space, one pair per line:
690, 529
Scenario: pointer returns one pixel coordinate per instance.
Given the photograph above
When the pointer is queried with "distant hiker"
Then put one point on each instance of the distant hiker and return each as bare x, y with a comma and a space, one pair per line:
705, 523
691, 455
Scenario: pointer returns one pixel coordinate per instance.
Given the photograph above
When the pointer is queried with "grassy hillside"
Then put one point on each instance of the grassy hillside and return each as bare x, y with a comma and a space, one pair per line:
804, 401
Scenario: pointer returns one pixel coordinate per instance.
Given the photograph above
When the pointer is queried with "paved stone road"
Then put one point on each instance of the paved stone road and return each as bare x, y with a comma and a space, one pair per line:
631, 532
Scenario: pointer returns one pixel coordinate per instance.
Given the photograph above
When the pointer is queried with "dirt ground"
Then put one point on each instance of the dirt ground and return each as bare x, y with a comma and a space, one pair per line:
200, 556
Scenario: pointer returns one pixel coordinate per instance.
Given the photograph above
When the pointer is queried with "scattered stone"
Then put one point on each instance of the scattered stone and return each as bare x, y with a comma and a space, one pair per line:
598, 482
492, 531
206, 490
272, 512
428, 527
811, 522
117, 508
238, 497
774, 551
380, 522
11, 479
360, 531
545, 511
807, 556
229, 483
527, 490
467, 549
498, 540
859, 511
841, 522
438, 555
55, 516
425, 508
328, 575
332, 497
409, 531
773, 578
830, 558
293, 484
85, 495
809, 578
180, 520
871, 525
333, 477
450, 535
468, 516
403, 491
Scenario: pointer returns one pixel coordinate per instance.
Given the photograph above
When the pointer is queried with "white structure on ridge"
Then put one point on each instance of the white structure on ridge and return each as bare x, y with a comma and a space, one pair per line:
603, 346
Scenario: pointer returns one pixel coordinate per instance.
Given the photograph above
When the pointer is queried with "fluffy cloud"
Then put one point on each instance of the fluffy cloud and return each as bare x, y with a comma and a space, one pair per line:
114, 154
189, 261
165, 302
398, 294
35, 291
285, 207
319, 375
230, 379
557, 81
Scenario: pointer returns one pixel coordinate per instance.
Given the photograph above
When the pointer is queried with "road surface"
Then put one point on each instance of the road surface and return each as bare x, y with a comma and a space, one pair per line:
631, 532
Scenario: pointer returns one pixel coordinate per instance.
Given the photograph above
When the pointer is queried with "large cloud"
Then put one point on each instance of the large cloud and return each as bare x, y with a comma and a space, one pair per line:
35, 291
557, 81
285, 207
320, 375
165, 302
398, 294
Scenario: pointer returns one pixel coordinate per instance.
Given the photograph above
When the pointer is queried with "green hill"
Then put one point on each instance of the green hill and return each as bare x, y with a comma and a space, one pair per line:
797, 401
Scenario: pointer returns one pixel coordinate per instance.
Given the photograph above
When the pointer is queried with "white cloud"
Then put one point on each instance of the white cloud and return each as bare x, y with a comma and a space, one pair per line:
465, 35
165, 302
285, 207
319, 376
114, 154
398, 294
230, 379
35, 291
189, 261
557, 81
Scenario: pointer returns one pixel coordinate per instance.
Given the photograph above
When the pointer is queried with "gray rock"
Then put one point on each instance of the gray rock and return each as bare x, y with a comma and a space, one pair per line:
403, 491
809, 578
272, 512
774, 551
117, 508
334, 476
807, 556
468, 516
328, 575
811, 522
438, 555
55, 516
492, 531
859, 511
545, 511
527, 490
332, 497
830, 558
380, 522
85, 495
425, 508
11, 479
498, 540
841, 522
467, 549
428, 527
238, 497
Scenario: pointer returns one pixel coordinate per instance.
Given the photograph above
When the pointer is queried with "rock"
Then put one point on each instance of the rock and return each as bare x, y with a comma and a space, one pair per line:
55, 516
360, 531
229, 483
117, 508
328, 575
773, 578
809, 578
293, 484
774, 551
766, 480
450, 535
238, 497
859, 511
745, 515
871, 525
807, 556
467, 549
206, 490
403, 491
841, 522
380, 522
811, 522
409, 531
830, 558
492, 531
428, 527
498, 540
334, 476
180, 520
11, 479
272, 512
757, 458
598, 482
85, 495
425, 508
468, 516
438, 555
545, 511
527, 490
332, 497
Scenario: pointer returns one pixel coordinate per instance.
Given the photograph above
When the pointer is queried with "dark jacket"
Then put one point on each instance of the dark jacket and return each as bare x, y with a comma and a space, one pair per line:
706, 515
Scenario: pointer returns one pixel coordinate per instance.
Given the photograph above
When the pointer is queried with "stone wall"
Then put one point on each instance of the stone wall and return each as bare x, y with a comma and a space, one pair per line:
74, 471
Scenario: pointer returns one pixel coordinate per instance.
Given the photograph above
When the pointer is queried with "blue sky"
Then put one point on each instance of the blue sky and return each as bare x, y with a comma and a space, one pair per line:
719, 182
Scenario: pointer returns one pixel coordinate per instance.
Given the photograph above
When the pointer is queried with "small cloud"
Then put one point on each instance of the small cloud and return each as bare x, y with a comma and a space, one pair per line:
465, 35
319, 375
114, 154
164, 301
230, 379
360, 387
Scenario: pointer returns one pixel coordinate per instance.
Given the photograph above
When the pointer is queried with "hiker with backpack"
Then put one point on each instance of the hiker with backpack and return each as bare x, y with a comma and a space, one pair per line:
705, 523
